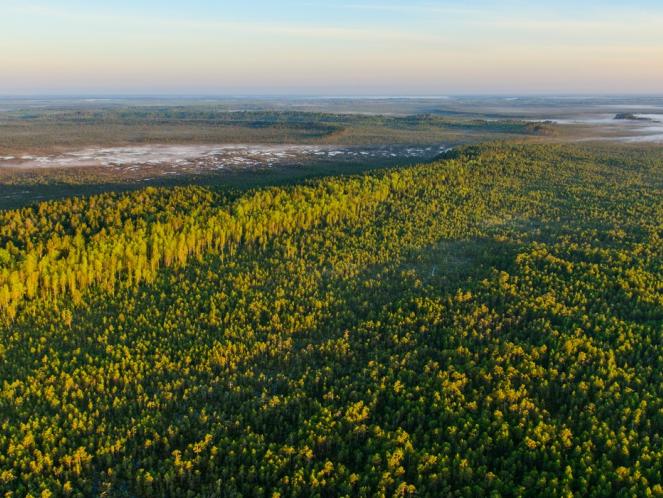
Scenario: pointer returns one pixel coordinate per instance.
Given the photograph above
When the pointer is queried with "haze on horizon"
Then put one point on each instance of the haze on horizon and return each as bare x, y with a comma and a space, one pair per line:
346, 47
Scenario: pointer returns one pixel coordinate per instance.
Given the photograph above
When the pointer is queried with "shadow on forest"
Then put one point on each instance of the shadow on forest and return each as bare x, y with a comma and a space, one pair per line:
19, 194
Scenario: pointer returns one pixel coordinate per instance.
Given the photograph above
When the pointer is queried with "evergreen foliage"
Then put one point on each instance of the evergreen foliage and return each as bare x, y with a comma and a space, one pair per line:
487, 325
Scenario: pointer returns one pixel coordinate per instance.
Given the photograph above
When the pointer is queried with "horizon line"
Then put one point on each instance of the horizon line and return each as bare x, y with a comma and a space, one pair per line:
323, 96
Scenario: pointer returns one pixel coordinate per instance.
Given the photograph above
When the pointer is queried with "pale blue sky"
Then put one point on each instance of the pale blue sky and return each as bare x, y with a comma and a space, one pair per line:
355, 47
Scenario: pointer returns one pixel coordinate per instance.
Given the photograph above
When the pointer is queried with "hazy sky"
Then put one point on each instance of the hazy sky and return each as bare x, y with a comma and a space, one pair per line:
334, 47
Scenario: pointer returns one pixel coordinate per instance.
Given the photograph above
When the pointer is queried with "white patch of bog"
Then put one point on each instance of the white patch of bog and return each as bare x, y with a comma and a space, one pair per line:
151, 155
187, 157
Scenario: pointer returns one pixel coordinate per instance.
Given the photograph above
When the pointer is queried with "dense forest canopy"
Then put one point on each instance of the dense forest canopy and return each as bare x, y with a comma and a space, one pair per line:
490, 324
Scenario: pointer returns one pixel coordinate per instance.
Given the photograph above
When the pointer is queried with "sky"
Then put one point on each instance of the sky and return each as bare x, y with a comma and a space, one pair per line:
332, 47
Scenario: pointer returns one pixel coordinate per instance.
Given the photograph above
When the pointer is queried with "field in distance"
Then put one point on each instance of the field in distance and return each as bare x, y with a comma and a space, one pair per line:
54, 148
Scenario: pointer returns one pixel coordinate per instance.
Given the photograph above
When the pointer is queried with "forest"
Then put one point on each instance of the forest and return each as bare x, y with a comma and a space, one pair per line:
51, 128
487, 324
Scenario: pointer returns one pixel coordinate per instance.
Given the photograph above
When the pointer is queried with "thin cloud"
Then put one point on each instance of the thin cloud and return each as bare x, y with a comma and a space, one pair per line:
584, 26
400, 8
308, 31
